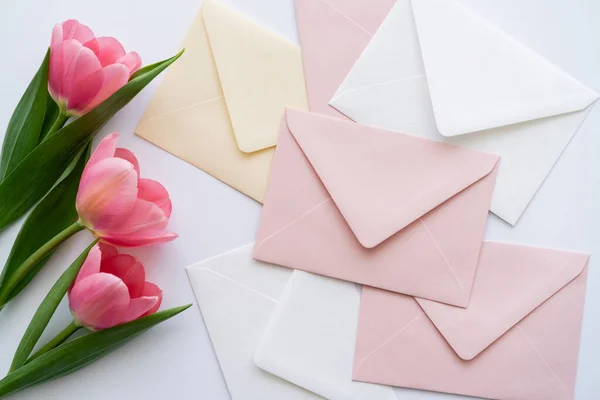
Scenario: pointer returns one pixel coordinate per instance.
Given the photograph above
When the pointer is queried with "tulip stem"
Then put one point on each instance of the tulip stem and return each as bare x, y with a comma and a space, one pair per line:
57, 340
59, 122
13, 280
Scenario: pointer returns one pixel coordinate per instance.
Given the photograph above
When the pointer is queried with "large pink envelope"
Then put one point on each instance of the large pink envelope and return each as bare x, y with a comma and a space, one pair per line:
376, 207
333, 34
518, 339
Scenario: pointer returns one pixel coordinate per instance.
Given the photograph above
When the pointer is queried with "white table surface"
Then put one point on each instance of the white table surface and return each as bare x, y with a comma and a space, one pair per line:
175, 360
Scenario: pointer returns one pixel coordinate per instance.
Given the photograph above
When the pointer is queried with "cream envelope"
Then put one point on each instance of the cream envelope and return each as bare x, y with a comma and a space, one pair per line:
332, 34
376, 207
237, 296
518, 339
310, 339
220, 104
437, 70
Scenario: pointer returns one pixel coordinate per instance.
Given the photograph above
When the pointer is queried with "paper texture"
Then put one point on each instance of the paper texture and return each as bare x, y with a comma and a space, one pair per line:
437, 69
219, 106
237, 296
310, 339
518, 339
376, 207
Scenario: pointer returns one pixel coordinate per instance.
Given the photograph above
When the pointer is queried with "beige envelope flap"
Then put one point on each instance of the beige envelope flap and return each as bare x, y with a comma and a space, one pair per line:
510, 283
190, 84
188, 118
382, 181
260, 73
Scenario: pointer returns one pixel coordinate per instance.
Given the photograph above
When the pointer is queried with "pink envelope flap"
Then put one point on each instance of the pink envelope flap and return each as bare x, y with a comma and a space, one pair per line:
511, 281
382, 181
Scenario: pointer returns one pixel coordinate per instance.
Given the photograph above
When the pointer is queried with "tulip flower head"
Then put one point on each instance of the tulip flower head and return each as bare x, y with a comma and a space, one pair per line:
111, 289
116, 205
85, 70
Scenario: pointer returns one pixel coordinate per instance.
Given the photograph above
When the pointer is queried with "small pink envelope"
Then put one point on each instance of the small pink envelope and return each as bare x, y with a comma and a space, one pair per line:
518, 339
376, 207
333, 34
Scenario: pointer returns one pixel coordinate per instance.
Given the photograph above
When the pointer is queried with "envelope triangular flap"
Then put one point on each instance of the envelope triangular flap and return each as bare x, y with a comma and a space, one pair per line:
382, 181
271, 77
511, 282
479, 77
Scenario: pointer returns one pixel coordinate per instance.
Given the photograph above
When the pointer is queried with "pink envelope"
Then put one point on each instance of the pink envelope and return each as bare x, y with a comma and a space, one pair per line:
518, 339
376, 207
333, 34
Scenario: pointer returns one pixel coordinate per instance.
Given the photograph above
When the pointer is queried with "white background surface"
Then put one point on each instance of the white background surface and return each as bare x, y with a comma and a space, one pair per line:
176, 360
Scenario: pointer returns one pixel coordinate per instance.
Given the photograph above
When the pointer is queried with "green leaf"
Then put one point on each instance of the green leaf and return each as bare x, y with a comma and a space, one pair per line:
46, 310
36, 174
25, 125
52, 112
78, 353
54, 213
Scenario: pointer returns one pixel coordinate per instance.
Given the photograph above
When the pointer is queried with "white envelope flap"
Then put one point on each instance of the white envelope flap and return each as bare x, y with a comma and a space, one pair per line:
310, 339
510, 283
237, 296
260, 73
479, 77
382, 181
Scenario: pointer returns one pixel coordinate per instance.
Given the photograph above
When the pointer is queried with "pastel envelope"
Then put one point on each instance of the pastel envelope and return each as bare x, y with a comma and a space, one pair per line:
437, 70
237, 297
333, 34
220, 104
376, 207
311, 336
518, 339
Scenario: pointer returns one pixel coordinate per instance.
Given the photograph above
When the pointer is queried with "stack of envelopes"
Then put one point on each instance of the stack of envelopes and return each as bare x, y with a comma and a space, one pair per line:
398, 125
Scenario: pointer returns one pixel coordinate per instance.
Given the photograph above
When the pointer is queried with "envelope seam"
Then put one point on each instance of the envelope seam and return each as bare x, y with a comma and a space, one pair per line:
416, 318
304, 215
438, 248
347, 91
347, 17
535, 349
241, 284
183, 108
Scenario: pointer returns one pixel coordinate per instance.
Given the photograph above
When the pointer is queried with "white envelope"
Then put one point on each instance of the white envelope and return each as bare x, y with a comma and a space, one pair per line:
237, 295
311, 337
436, 69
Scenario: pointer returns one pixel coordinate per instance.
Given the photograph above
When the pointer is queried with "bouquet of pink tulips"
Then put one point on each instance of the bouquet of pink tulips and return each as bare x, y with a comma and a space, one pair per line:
46, 165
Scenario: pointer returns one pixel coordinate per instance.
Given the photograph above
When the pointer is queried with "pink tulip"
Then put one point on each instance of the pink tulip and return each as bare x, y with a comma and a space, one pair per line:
116, 205
85, 70
111, 289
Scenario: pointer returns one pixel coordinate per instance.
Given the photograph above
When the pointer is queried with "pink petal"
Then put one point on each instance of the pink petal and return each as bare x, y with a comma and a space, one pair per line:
135, 241
150, 289
109, 50
156, 193
73, 29
132, 61
107, 194
91, 265
140, 307
105, 149
108, 251
146, 225
129, 270
99, 301
92, 45
61, 57
129, 156
57, 36
115, 77
75, 74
